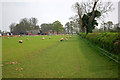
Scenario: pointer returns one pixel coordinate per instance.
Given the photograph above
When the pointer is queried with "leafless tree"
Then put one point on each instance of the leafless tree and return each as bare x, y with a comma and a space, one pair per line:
86, 7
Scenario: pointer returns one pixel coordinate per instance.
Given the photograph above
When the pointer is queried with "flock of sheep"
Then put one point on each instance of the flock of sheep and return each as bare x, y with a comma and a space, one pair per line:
65, 38
21, 41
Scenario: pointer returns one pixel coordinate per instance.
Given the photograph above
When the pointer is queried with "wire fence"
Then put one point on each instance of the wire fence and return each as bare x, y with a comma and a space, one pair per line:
104, 52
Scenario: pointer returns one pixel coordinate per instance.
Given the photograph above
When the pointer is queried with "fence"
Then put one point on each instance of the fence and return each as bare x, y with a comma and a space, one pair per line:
103, 51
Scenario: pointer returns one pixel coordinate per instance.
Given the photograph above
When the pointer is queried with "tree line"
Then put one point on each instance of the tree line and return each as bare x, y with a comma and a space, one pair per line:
109, 26
86, 19
27, 25
24, 26
56, 26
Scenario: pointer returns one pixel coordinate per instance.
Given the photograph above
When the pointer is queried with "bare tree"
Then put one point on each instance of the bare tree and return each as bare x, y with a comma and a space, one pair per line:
67, 27
90, 6
12, 26
33, 21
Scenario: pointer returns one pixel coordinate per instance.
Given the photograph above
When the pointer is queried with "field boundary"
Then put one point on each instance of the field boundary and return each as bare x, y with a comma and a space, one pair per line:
110, 56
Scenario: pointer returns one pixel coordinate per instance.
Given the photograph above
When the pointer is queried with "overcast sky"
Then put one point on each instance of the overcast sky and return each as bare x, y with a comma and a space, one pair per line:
46, 11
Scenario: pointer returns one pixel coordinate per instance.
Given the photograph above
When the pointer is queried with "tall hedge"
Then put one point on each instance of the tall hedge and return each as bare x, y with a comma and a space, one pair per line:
110, 41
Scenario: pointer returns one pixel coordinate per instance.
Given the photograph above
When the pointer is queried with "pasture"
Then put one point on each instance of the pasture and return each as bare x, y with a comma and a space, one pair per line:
52, 58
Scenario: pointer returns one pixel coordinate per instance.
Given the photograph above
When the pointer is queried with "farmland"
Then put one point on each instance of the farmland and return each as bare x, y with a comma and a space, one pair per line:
50, 58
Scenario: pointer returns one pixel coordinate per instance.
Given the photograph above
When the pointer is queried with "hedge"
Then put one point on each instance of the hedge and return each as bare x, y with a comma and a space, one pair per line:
110, 41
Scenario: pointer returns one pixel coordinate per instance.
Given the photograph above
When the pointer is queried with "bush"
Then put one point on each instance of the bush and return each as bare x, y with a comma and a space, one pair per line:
83, 35
110, 41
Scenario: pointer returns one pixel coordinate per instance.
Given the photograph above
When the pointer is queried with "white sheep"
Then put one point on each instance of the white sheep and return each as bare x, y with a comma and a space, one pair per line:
20, 41
27, 39
49, 37
66, 39
43, 38
61, 39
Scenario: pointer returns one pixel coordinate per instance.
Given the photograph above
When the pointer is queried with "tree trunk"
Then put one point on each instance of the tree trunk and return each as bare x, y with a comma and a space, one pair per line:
90, 20
80, 21
83, 29
93, 12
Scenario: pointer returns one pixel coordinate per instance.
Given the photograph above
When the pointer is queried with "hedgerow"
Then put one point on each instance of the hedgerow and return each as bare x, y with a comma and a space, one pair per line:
109, 41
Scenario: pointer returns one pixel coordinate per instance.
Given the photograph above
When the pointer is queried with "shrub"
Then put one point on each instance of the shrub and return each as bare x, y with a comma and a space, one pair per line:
110, 41
83, 35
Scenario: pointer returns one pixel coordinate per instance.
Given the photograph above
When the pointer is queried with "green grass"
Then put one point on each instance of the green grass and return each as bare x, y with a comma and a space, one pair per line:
51, 58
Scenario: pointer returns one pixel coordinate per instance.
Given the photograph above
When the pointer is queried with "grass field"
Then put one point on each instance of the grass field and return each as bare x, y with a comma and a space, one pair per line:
50, 58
